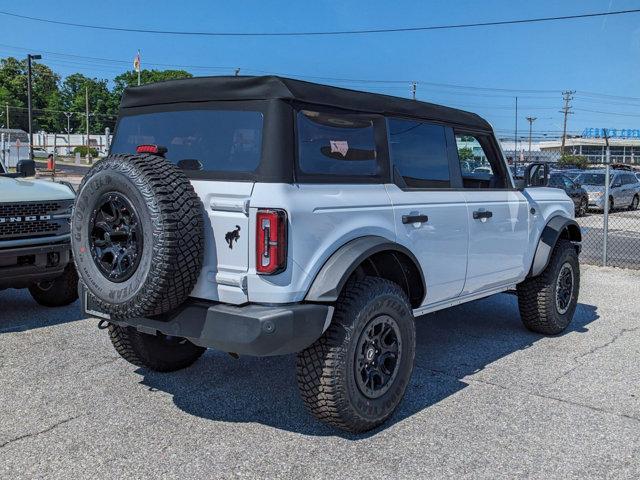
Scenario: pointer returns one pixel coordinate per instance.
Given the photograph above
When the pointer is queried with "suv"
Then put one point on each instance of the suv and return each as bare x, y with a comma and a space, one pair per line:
624, 189
267, 216
35, 245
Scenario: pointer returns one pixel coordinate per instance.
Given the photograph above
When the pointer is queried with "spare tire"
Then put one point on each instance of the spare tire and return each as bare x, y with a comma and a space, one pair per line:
137, 235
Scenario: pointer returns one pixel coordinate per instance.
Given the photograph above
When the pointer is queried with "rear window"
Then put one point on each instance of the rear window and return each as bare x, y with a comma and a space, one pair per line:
197, 140
337, 145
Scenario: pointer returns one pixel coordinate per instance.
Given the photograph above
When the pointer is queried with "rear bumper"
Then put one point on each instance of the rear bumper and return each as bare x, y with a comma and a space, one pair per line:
252, 329
23, 266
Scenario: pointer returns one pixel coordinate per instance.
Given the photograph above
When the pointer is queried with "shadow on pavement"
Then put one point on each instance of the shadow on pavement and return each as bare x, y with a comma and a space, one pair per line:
451, 344
19, 312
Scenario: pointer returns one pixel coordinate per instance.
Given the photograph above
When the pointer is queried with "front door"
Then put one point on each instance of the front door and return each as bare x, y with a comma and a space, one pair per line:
498, 216
430, 216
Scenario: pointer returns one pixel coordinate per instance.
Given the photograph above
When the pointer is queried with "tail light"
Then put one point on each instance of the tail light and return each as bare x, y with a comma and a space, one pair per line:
153, 149
271, 241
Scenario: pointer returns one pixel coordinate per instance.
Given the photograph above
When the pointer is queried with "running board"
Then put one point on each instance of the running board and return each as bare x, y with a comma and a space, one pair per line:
452, 302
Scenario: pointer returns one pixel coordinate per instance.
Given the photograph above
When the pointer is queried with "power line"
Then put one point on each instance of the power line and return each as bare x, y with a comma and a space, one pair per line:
316, 33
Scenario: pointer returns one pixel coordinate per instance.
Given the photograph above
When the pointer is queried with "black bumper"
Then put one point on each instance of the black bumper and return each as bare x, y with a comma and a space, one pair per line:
251, 329
23, 266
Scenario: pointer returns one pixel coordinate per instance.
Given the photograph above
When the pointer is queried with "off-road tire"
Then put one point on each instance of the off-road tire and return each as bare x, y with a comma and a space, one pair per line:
537, 300
326, 370
170, 216
154, 352
581, 210
60, 292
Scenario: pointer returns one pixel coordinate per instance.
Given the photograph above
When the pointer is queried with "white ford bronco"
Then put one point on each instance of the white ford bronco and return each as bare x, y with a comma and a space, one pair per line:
268, 216
35, 243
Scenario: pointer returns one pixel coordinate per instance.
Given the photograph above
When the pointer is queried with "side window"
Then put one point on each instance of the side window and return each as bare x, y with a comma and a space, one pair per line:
555, 181
478, 164
567, 182
419, 153
337, 144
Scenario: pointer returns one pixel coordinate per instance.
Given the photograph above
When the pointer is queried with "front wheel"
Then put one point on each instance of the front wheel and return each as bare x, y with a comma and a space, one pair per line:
547, 302
581, 210
355, 375
59, 292
634, 203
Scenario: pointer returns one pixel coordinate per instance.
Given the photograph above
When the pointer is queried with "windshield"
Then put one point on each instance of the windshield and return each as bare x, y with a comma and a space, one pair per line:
198, 140
595, 179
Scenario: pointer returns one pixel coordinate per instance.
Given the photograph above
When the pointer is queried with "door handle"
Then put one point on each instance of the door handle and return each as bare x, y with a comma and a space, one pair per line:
414, 219
479, 215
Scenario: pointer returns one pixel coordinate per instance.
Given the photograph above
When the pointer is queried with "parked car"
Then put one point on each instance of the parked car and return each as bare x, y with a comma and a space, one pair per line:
624, 189
574, 190
268, 216
39, 152
35, 244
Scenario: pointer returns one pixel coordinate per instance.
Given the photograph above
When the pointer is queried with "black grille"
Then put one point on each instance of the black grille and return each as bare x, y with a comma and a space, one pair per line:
21, 220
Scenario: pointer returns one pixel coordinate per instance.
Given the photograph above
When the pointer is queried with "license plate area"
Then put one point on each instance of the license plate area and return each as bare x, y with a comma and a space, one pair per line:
92, 309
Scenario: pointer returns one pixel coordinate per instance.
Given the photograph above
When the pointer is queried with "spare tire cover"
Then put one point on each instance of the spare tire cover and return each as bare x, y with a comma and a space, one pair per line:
137, 235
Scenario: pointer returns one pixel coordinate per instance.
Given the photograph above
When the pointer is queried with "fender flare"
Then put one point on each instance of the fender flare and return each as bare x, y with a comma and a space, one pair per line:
548, 239
333, 275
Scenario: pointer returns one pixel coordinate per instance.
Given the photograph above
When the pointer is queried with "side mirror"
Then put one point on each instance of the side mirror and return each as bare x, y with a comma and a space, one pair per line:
536, 175
26, 168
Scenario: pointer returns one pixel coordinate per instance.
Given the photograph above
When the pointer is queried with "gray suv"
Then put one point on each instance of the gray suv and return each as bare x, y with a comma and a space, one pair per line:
624, 189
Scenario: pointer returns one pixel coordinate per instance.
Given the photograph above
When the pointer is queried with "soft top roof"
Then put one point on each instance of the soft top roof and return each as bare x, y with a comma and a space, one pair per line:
203, 89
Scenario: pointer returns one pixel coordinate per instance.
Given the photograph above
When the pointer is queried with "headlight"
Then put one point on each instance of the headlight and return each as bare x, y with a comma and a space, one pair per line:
595, 194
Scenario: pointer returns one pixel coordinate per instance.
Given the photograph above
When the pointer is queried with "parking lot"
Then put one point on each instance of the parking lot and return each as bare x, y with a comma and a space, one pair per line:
623, 238
488, 400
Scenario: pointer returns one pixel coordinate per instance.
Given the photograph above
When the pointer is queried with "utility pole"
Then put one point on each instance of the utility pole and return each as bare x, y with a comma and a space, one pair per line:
567, 96
68, 115
7, 113
414, 86
30, 57
530, 120
86, 97
515, 140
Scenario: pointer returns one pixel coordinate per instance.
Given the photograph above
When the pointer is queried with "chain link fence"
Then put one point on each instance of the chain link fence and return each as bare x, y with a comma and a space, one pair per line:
610, 229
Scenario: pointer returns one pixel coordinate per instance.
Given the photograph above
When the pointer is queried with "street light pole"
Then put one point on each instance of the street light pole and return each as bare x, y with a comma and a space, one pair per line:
530, 120
30, 57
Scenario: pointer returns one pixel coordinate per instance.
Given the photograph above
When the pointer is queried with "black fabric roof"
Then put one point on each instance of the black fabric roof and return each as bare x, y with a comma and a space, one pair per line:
202, 89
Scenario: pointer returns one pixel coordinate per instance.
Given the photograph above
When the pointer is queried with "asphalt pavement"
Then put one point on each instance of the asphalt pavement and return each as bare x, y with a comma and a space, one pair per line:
623, 240
488, 400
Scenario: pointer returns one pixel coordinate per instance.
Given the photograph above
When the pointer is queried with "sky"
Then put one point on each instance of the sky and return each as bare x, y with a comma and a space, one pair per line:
599, 58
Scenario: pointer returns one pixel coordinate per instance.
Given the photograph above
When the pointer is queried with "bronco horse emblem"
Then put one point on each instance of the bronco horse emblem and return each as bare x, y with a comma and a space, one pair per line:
232, 236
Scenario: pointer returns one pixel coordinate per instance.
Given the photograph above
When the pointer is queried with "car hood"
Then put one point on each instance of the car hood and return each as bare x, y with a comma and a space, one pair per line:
30, 190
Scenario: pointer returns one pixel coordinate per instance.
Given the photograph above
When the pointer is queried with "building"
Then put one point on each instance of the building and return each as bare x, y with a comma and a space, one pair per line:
623, 150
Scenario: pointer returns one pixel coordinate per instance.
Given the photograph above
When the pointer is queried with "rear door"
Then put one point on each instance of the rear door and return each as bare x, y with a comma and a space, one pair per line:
430, 216
498, 216
219, 146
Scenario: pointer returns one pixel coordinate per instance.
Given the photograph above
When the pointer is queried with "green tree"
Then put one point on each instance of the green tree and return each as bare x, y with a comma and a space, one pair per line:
577, 161
129, 79
101, 107
465, 153
13, 91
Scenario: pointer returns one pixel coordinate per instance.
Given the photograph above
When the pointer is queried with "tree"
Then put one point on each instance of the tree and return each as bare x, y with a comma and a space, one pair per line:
101, 107
576, 161
13, 91
129, 79
465, 153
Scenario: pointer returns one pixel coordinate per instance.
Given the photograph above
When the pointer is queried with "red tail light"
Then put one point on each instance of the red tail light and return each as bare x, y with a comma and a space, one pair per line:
271, 241
153, 149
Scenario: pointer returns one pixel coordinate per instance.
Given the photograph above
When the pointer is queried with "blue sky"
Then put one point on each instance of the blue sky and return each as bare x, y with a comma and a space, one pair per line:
600, 55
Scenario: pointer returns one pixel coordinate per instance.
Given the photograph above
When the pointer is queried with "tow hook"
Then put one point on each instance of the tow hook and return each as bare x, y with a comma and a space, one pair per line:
102, 324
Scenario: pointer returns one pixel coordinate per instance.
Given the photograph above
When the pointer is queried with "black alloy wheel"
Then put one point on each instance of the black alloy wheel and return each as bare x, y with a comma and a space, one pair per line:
377, 354
116, 239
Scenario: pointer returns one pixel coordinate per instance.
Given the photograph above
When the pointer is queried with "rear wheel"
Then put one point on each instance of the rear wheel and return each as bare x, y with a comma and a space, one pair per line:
59, 292
161, 353
547, 302
355, 375
611, 204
